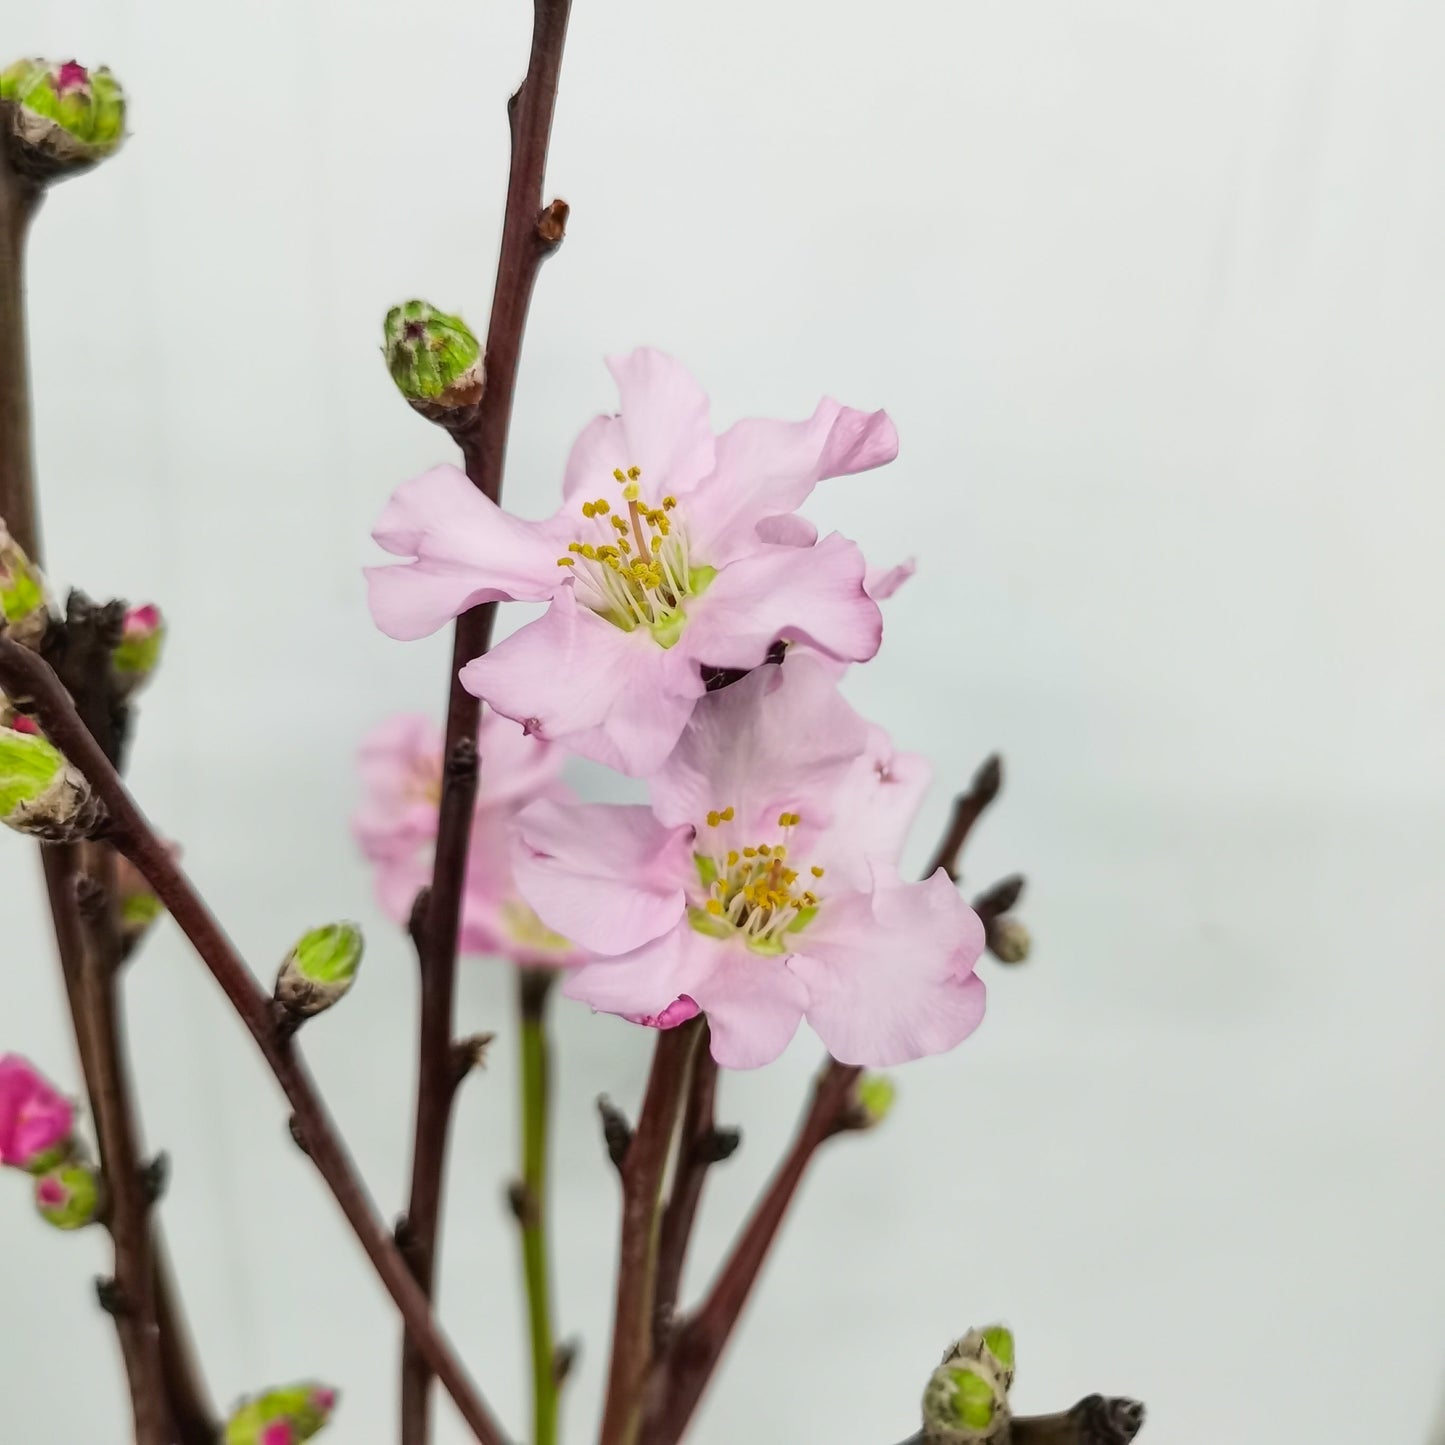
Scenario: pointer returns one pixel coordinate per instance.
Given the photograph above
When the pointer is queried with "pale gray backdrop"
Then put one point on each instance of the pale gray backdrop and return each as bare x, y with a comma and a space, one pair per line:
1153, 291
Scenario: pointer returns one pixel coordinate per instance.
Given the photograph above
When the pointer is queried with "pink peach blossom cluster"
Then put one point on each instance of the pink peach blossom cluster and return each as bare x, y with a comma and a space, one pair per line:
694, 632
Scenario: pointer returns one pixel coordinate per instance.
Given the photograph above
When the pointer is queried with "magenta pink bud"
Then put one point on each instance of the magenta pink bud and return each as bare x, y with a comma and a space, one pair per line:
35, 1120
278, 1432
138, 652
22, 724
70, 75
50, 1193
323, 1399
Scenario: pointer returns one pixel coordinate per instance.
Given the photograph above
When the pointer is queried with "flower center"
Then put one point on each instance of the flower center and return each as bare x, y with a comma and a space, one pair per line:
633, 566
753, 893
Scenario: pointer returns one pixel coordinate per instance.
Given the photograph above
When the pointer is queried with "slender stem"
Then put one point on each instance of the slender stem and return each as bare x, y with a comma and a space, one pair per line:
526, 243
191, 1411
24, 674
533, 987
133, 1293
19, 199
968, 808
699, 1343
702, 1146
643, 1168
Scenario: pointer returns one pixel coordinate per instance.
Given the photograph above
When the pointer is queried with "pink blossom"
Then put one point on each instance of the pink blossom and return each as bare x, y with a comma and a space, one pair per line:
675, 550
761, 885
396, 826
35, 1120
71, 75
278, 1432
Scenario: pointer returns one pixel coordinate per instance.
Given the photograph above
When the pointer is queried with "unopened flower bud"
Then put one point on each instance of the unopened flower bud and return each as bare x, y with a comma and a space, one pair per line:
964, 1404
24, 616
40, 793
63, 117
68, 1196
993, 1345
873, 1097
136, 655
35, 1118
319, 969
433, 358
285, 1416
1008, 939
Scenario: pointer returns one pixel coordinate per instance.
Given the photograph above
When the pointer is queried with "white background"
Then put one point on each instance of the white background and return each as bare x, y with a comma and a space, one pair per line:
1153, 292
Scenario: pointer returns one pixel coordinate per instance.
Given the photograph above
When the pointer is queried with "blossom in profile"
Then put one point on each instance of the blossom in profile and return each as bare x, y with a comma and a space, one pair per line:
676, 553
761, 885
35, 1118
396, 826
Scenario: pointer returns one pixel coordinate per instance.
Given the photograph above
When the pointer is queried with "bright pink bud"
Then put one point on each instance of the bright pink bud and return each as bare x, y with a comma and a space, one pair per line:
50, 1193
278, 1432
323, 1399
22, 724
71, 75
35, 1121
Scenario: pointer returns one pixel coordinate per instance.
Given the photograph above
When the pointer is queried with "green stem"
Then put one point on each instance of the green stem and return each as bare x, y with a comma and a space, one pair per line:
533, 987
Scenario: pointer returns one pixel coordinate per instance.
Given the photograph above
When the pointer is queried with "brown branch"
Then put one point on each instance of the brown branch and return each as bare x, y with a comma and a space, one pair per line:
127, 1201
19, 199
702, 1145
968, 808
23, 674
642, 1173
699, 1343
530, 234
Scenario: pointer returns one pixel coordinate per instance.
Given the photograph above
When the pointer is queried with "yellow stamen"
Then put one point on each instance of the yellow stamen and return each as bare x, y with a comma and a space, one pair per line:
816, 871
566, 561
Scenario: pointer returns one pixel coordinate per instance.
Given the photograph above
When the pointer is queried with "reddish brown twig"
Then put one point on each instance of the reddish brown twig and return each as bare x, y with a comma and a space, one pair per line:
1095, 1420
19, 198
701, 1146
642, 1170
530, 233
699, 1342
23, 674
968, 807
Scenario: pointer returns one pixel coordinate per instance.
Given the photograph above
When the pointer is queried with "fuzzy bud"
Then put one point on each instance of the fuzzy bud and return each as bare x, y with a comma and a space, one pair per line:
319, 969
40, 793
963, 1405
285, 1416
993, 1346
136, 656
62, 117
68, 1196
24, 615
434, 359
873, 1098
1008, 939
35, 1119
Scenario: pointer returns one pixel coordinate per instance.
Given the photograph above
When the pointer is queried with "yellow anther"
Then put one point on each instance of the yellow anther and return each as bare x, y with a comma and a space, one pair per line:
624, 544
669, 503
602, 506
566, 561
617, 472
589, 509
574, 546
788, 820
657, 544
733, 859
765, 851
620, 523
633, 473
727, 813
750, 852
714, 907
714, 818
816, 871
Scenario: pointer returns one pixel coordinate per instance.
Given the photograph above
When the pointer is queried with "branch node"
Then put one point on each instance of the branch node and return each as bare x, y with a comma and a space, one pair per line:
615, 1130
552, 224
1001, 897
462, 762
523, 1204
718, 1144
416, 919
564, 1359
154, 1176
468, 1054
108, 1295
298, 1134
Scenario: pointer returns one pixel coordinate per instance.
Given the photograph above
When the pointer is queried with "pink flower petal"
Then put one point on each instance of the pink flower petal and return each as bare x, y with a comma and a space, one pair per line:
573, 678
881, 583
34, 1118
780, 740
812, 595
665, 419
601, 448
753, 1005
788, 530
607, 875
889, 975
467, 551
766, 468
648, 981
874, 809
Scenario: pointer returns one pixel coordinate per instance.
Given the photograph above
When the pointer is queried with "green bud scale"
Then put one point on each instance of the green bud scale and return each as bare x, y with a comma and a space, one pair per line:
320, 969
304, 1408
434, 359
61, 117
68, 1196
24, 613
964, 1404
40, 793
